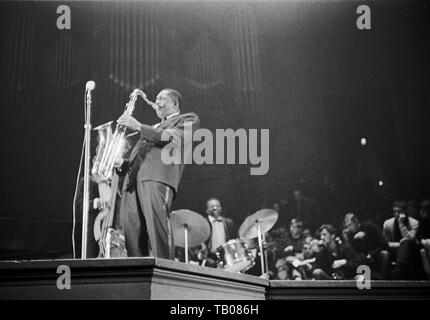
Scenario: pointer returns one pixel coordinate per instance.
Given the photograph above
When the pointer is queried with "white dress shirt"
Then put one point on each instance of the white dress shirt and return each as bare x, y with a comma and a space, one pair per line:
169, 116
218, 233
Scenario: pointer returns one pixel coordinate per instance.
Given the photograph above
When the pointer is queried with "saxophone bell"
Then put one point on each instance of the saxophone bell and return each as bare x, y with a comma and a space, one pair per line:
113, 146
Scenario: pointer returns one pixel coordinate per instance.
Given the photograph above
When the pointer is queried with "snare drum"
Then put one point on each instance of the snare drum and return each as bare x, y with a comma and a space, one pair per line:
234, 256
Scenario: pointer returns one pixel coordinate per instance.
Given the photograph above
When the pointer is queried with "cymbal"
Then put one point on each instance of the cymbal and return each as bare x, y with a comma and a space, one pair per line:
198, 228
267, 218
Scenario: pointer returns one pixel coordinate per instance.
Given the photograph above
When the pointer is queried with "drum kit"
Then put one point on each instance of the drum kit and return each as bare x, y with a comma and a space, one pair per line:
190, 229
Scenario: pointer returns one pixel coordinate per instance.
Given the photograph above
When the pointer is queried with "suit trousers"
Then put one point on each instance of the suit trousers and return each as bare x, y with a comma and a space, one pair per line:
146, 221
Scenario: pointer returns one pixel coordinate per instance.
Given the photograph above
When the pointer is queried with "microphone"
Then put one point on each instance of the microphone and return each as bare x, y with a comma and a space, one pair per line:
90, 85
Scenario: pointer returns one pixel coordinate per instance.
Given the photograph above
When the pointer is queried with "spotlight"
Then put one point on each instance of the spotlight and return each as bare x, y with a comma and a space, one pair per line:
381, 183
363, 141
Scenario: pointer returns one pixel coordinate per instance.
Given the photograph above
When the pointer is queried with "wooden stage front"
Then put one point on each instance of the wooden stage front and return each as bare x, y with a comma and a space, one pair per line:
150, 278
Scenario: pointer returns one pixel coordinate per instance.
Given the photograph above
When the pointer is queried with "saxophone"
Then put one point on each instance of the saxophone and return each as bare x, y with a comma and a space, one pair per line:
110, 151
112, 147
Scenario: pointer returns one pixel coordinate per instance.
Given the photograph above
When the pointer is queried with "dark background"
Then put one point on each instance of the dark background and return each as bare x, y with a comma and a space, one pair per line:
301, 69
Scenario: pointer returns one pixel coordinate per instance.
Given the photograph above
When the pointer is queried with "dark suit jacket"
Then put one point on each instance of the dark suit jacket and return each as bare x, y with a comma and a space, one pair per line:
373, 243
325, 258
228, 227
152, 168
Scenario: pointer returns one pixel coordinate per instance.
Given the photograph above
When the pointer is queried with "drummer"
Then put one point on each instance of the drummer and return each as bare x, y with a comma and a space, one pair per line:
222, 230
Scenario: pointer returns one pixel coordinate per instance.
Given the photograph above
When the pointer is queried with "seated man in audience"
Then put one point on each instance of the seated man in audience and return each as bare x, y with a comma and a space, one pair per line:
298, 266
296, 239
277, 242
424, 215
334, 259
424, 219
367, 238
292, 246
401, 234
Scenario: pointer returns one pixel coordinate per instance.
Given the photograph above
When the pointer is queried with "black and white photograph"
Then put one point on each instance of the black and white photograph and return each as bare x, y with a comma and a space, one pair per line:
226, 150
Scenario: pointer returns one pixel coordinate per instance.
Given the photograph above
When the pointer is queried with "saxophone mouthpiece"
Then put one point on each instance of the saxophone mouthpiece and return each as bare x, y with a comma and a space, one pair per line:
154, 106
137, 91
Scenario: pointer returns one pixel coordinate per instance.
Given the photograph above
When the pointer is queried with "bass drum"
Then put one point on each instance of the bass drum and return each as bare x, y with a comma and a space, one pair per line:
233, 256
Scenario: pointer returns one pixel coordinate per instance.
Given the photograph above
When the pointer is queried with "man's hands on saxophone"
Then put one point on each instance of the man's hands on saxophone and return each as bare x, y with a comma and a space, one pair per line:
129, 121
133, 124
100, 204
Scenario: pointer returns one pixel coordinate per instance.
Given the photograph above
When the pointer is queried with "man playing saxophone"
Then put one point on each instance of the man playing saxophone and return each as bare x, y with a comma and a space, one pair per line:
150, 185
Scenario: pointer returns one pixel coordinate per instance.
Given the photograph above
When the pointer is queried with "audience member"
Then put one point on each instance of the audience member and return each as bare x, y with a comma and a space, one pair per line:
288, 251
401, 233
367, 238
424, 220
334, 259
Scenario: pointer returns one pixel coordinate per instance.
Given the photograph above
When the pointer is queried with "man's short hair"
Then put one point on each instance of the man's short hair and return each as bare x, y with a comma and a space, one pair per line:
400, 204
330, 229
212, 198
175, 95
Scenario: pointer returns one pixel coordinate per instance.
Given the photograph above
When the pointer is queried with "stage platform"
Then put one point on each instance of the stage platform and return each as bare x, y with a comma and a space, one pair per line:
131, 278
341, 289
150, 278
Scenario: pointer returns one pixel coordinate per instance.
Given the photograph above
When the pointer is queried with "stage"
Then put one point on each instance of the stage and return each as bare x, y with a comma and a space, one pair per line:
159, 279
132, 278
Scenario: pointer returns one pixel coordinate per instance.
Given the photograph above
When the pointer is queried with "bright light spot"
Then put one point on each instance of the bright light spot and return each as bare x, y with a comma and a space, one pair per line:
363, 141
381, 183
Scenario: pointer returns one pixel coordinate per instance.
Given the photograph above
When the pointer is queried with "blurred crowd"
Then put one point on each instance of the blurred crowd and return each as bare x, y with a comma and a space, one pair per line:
396, 248
308, 244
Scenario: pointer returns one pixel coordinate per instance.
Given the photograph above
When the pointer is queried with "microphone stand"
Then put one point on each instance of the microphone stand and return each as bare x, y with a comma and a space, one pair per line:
186, 242
260, 245
86, 200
